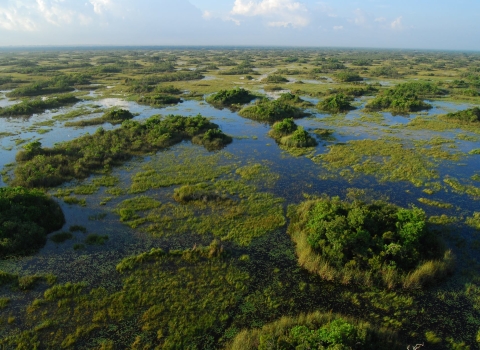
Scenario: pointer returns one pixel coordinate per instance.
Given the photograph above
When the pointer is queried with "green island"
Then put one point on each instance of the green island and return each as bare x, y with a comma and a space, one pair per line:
230, 98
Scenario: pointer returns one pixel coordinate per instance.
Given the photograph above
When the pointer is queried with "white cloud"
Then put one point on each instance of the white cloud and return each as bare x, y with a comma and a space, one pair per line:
285, 12
207, 15
360, 18
380, 19
397, 24
12, 20
53, 13
338, 28
99, 6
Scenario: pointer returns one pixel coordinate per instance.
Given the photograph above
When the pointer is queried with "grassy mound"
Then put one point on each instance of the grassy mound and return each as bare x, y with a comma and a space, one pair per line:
376, 243
287, 133
113, 116
159, 100
26, 217
58, 84
38, 105
227, 98
275, 79
316, 331
271, 111
48, 167
335, 104
212, 139
294, 100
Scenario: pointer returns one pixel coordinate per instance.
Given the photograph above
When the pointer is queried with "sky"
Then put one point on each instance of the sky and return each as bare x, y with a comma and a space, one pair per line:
411, 24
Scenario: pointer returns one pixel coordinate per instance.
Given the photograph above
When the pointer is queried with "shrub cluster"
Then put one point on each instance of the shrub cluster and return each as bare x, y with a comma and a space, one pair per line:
38, 105
227, 98
271, 111
113, 116
287, 133
61, 83
367, 243
471, 115
335, 104
26, 217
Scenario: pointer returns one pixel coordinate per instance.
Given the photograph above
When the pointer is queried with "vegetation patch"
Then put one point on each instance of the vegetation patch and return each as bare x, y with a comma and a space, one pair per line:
94, 239
376, 243
294, 100
61, 237
335, 104
316, 331
113, 116
405, 98
434, 203
469, 116
159, 100
271, 111
347, 76
288, 134
48, 167
230, 98
26, 217
29, 107
275, 79
58, 84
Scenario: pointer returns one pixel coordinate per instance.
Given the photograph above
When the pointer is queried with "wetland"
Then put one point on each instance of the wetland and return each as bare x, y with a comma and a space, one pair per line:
239, 199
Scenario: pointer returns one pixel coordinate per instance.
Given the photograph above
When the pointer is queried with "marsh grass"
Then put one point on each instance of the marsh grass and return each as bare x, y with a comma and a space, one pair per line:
435, 203
113, 116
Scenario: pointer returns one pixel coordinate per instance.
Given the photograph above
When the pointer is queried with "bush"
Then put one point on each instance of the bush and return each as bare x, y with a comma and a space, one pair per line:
347, 241
26, 217
227, 98
348, 76
275, 79
471, 115
159, 100
271, 111
335, 104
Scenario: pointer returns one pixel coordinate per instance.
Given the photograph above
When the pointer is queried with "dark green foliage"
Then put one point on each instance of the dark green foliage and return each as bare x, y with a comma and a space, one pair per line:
26, 217
94, 239
405, 97
287, 133
113, 116
61, 237
362, 62
378, 238
275, 79
159, 100
240, 69
212, 139
47, 167
78, 228
29, 107
295, 100
348, 76
227, 98
471, 115
271, 111
180, 76
169, 89
61, 83
335, 104
283, 128
385, 72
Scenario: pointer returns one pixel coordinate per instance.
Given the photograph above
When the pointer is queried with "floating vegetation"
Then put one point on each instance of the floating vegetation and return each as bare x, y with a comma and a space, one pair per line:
48, 167
26, 217
94, 239
434, 203
377, 243
457, 187
153, 301
386, 160
113, 116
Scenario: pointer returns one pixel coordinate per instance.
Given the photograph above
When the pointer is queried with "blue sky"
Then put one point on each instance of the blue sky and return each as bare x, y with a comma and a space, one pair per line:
420, 24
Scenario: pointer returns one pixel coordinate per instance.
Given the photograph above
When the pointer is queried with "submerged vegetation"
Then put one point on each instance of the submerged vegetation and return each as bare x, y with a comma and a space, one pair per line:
376, 243
26, 217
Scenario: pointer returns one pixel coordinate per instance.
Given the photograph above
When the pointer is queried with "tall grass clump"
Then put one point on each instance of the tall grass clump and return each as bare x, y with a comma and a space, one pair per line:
316, 331
357, 242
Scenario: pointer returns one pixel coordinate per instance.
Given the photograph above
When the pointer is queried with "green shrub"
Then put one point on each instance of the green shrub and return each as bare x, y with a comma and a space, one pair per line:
283, 128
335, 104
26, 217
159, 100
345, 241
113, 116
275, 79
271, 111
348, 76
471, 115
227, 98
